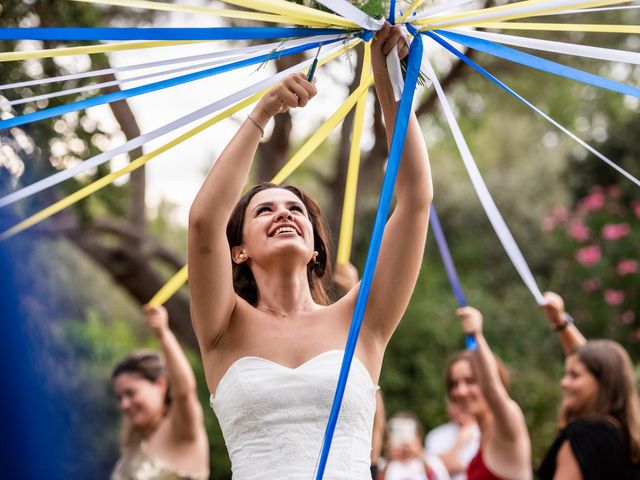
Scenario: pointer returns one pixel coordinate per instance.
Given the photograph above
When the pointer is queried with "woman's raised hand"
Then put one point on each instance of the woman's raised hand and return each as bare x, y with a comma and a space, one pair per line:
292, 92
156, 318
554, 309
386, 38
471, 320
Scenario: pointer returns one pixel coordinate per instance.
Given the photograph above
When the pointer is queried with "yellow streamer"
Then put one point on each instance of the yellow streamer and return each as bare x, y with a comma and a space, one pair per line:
282, 7
449, 20
170, 288
108, 179
173, 7
563, 27
351, 185
412, 8
89, 49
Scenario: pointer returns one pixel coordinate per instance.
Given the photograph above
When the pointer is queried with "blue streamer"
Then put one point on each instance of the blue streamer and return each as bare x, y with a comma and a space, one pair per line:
215, 33
392, 12
450, 269
507, 89
152, 87
539, 63
395, 153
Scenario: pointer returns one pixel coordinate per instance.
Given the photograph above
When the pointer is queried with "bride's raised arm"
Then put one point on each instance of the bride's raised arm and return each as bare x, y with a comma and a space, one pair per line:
405, 233
210, 274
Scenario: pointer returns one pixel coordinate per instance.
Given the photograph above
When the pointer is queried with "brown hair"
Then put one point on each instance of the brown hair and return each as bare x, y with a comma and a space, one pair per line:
617, 396
244, 283
467, 355
148, 365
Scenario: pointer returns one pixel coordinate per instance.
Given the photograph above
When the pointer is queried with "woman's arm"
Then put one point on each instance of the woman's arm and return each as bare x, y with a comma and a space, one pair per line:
569, 335
405, 233
509, 420
186, 412
210, 279
567, 467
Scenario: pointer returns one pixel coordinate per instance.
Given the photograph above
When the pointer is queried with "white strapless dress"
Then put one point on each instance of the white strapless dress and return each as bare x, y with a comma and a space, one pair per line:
273, 418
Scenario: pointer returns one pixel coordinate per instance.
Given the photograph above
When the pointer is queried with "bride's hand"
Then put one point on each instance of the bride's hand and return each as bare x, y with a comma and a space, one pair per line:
292, 92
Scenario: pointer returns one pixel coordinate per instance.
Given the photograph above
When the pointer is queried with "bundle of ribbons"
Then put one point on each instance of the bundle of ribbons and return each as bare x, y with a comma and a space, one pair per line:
339, 26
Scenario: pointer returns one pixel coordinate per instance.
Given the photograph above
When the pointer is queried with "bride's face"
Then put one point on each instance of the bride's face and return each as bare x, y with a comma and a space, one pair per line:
276, 226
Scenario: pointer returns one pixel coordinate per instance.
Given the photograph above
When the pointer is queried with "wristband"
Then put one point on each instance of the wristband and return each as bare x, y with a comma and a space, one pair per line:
566, 321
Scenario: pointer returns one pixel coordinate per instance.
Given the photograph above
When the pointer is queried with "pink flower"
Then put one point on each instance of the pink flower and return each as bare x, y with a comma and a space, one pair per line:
588, 256
560, 213
579, 231
593, 202
591, 285
627, 266
548, 224
615, 231
614, 191
627, 317
613, 297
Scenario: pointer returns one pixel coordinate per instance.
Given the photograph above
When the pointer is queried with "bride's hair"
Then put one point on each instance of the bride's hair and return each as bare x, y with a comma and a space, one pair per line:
244, 283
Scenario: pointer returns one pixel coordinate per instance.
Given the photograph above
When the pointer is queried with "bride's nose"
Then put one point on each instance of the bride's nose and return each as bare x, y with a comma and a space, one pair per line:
283, 213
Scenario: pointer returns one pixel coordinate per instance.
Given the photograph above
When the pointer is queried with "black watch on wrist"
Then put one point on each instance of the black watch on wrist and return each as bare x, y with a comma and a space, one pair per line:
566, 321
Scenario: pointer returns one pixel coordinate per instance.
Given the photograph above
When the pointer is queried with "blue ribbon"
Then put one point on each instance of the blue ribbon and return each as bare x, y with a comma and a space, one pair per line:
392, 12
450, 269
539, 63
395, 153
152, 87
216, 33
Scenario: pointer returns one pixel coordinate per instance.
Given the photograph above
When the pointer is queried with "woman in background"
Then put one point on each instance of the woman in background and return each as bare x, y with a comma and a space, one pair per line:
599, 418
163, 436
476, 381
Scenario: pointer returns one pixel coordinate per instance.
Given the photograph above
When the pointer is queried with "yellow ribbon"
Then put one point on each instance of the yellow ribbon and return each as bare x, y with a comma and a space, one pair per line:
412, 8
563, 27
170, 288
449, 20
351, 185
173, 7
137, 163
88, 49
302, 13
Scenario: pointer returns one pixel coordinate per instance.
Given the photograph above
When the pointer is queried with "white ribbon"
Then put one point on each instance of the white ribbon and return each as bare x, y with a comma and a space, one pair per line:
556, 47
513, 11
228, 59
498, 223
161, 63
444, 7
353, 13
142, 139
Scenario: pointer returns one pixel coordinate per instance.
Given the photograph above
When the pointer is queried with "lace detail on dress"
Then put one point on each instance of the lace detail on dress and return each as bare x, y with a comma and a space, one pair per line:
273, 418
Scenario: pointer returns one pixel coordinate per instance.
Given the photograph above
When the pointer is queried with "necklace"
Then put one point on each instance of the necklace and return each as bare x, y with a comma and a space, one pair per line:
284, 314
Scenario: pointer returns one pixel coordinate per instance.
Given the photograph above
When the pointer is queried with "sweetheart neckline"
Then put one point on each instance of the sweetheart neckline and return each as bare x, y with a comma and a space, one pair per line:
291, 369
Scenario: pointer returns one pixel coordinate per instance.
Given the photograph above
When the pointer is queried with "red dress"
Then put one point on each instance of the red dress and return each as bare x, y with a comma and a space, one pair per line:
477, 470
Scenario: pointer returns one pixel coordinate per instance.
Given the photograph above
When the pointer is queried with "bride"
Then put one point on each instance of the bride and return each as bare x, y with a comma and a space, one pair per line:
270, 342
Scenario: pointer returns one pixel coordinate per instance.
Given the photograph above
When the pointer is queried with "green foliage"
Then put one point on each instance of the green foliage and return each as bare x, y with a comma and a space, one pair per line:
373, 8
598, 243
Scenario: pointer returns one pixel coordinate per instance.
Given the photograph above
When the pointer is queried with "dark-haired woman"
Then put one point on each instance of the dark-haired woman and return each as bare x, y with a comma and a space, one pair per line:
476, 382
599, 417
270, 342
163, 437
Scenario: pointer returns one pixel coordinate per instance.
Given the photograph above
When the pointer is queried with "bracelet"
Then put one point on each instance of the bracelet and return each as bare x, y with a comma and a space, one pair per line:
257, 125
566, 321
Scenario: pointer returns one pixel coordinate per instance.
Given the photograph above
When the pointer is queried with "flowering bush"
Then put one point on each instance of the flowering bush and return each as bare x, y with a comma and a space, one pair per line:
600, 276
